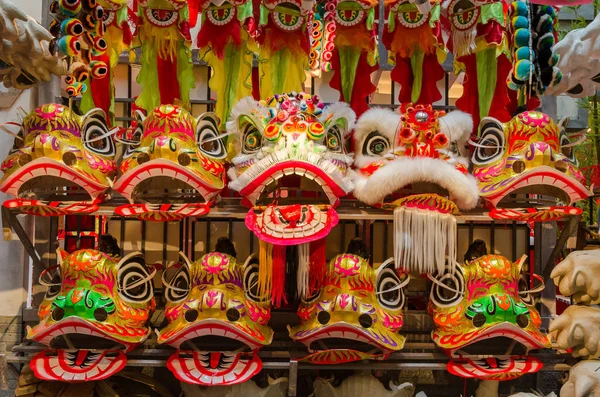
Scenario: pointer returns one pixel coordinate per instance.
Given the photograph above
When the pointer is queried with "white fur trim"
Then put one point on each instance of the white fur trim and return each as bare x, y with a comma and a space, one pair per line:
340, 110
404, 171
384, 120
457, 126
244, 107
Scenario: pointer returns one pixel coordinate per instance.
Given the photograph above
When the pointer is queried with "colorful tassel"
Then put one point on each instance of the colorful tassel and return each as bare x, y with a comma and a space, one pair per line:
318, 264
291, 272
265, 270
278, 295
303, 270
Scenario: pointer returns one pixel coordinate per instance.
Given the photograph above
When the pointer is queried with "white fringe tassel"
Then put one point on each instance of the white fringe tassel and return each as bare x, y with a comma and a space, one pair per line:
463, 41
424, 241
303, 269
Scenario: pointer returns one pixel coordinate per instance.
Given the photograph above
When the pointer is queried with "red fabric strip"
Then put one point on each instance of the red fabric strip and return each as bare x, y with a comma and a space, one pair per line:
168, 85
278, 295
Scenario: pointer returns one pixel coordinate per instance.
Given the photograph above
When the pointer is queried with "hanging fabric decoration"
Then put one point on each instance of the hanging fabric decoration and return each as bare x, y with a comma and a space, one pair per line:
163, 33
352, 30
479, 43
317, 264
79, 29
279, 264
414, 42
118, 35
357, 313
291, 169
423, 236
215, 297
92, 300
173, 165
482, 300
265, 270
284, 46
411, 164
532, 36
224, 44
303, 278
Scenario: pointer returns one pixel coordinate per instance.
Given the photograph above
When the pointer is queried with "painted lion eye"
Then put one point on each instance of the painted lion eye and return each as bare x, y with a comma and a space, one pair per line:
251, 280
252, 140
97, 141
208, 140
334, 140
375, 144
566, 148
389, 286
96, 137
51, 278
448, 290
178, 288
524, 291
135, 282
490, 146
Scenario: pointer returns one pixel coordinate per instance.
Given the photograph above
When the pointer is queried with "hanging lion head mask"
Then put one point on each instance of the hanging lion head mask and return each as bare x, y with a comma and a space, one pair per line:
485, 307
411, 163
174, 165
95, 310
58, 156
216, 321
518, 162
357, 314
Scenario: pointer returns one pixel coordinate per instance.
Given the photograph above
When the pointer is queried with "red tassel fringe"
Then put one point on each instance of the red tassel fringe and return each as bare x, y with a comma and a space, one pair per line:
278, 294
318, 265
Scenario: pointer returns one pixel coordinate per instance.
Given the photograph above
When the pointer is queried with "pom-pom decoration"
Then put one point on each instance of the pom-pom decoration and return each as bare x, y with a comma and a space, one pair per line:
72, 27
78, 30
532, 37
523, 53
523, 70
99, 69
522, 37
520, 22
69, 7
76, 89
69, 46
